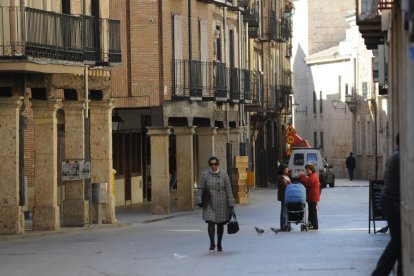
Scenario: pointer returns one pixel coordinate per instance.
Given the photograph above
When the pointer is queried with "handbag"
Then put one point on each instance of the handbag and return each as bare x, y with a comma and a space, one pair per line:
233, 225
205, 198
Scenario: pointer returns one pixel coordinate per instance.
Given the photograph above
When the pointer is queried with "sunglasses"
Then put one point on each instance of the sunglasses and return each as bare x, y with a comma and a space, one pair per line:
213, 164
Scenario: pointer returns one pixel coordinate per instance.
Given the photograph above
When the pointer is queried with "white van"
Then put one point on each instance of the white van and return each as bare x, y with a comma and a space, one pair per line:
302, 156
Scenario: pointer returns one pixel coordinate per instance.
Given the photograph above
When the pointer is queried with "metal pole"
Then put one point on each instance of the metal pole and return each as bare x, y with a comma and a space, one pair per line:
88, 183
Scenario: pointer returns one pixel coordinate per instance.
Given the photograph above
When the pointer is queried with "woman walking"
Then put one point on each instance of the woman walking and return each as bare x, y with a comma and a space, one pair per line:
217, 210
283, 181
312, 184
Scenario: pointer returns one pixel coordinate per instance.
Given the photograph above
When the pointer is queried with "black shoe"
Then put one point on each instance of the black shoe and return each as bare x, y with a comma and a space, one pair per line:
219, 248
212, 247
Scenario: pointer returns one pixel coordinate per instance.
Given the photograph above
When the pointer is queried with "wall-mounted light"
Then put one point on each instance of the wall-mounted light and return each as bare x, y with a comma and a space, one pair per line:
117, 122
296, 108
351, 102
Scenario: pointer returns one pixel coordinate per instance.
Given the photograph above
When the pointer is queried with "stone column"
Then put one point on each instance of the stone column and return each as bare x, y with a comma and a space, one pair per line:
11, 214
75, 207
206, 148
220, 146
160, 188
46, 211
235, 140
101, 155
185, 167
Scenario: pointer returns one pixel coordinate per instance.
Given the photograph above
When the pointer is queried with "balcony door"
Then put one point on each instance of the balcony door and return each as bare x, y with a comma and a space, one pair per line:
95, 12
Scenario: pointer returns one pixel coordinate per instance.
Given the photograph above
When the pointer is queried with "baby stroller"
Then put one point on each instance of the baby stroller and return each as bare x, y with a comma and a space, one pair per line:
296, 207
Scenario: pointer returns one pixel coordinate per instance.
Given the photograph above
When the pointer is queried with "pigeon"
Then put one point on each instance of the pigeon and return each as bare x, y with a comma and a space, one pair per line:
259, 230
275, 230
383, 230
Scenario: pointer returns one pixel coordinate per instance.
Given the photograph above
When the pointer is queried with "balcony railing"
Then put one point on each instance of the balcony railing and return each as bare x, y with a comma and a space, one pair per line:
247, 89
235, 89
279, 98
277, 29
221, 81
28, 32
251, 14
192, 79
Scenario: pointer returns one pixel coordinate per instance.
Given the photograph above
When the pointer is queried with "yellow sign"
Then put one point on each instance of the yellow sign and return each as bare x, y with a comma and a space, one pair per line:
290, 139
290, 130
289, 151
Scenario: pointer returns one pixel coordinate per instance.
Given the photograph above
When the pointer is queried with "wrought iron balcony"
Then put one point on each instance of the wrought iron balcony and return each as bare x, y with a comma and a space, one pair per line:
192, 79
251, 14
200, 80
253, 100
235, 89
29, 33
279, 98
279, 30
221, 81
247, 83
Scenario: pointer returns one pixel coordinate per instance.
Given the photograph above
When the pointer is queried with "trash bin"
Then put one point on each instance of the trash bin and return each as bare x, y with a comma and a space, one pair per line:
98, 192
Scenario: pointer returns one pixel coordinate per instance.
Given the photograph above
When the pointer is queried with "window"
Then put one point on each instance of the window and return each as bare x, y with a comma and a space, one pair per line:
299, 159
315, 138
218, 43
314, 102
339, 86
321, 140
365, 90
320, 102
312, 158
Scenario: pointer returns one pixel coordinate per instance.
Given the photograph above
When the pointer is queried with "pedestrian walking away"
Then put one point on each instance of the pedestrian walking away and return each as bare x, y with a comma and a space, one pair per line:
283, 181
350, 163
216, 212
312, 185
390, 204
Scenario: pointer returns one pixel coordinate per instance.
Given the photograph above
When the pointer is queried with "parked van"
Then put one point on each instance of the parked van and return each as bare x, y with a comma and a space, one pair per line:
302, 156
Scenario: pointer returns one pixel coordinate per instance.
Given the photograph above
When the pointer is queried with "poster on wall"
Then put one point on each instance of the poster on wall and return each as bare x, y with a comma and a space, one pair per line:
75, 170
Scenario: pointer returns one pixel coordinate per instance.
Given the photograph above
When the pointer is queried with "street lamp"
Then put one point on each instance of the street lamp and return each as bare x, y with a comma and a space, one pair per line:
117, 122
351, 102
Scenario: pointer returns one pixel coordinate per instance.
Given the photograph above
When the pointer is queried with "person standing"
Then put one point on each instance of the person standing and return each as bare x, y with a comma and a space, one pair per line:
313, 187
390, 204
283, 181
217, 211
350, 165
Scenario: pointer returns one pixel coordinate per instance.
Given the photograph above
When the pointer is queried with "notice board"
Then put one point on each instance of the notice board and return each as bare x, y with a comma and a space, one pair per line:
376, 189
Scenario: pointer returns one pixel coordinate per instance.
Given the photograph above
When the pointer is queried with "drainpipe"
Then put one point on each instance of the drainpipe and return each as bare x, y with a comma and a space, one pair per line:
190, 46
88, 182
22, 187
241, 105
225, 61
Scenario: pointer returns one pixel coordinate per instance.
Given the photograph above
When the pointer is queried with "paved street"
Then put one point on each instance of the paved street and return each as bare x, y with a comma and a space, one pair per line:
178, 245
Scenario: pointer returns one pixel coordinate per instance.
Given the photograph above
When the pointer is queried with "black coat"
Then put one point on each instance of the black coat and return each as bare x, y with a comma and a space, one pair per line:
350, 163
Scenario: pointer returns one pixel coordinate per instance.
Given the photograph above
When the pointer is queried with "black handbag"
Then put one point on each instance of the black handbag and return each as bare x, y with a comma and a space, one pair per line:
233, 225
205, 198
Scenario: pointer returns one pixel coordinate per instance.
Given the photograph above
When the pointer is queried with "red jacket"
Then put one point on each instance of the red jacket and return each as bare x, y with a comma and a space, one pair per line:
312, 185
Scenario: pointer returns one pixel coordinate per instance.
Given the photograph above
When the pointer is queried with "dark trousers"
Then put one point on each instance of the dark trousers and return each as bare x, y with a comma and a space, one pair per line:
392, 253
313, 214
283, 215
351, 174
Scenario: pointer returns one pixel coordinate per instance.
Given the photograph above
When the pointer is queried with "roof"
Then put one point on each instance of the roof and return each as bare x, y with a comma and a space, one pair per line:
326, 56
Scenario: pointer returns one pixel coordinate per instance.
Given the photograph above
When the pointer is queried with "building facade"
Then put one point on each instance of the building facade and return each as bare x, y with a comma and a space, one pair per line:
326, 79
46, 112
384, 27
208, 72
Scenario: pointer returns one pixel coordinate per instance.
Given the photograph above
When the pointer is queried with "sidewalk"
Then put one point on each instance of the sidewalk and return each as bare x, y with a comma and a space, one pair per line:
141, 213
